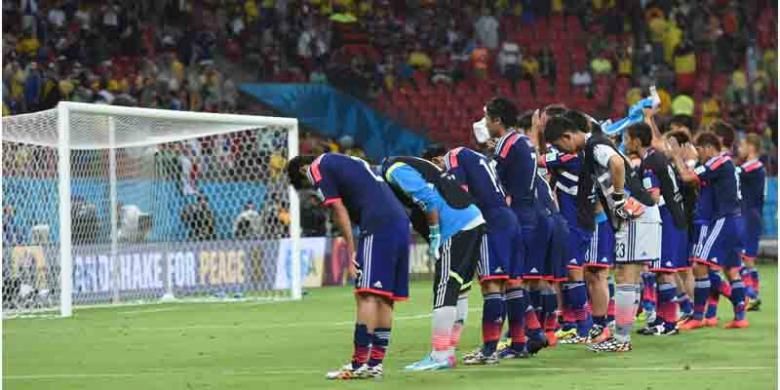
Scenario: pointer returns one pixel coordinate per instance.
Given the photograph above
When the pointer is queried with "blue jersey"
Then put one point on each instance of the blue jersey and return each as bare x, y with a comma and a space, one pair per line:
369, 200
752, 176
425, 195
516, 165
544, 197
565, 169
721, 174
476, 172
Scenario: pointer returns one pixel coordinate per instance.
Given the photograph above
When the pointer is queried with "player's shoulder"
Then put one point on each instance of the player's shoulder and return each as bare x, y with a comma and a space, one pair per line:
752, 166
721, 161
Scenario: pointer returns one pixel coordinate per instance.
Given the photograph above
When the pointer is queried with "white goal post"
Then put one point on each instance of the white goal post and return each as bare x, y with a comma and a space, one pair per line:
107, 205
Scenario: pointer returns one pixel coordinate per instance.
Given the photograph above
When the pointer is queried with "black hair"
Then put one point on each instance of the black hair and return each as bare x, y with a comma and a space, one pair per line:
433, 151
555, 110
642, 132
298, 179
556, 127
681, 136
502, 109
579, 119
682, 120
725, 132
708, 139
525, 120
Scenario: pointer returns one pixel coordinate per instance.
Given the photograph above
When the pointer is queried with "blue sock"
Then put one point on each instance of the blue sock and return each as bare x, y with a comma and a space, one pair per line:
738, 298
611, 285
667, 309
649, 288
576, 296
379, 344
700, 293
686, 306
362, 345
536, 301
516, 302
549, 307
492, 321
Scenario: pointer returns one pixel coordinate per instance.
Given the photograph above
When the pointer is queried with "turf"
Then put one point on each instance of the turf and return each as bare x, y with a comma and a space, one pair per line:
291, 345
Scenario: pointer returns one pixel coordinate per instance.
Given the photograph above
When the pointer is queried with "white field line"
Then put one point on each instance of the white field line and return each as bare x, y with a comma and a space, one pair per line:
307, 324
143, 311
260, 373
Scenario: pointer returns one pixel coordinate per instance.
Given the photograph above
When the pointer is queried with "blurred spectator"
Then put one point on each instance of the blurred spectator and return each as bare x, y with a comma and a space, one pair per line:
12, 233
736, 93
479, 60
313, 216
442, 68
625, 66
685, 67
600, 65
199, 220
248, 224
710, 110
547, 66
581, 79
419, 59
509, 59
530, 70
487, 29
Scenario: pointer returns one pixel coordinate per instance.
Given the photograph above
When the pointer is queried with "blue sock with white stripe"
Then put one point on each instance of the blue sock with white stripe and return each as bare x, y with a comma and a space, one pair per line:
738, 299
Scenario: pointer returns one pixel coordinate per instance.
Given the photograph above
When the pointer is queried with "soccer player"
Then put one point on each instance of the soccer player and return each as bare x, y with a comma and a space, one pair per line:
629, 208
752, 176
500, 266
565, 170
660, 179
516, 165
447, 215
380, 263
722, 243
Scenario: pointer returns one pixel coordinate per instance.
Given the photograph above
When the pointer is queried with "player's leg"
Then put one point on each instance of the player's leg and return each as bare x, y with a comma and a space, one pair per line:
558, 255
600, 258
701, 273
752, 235
731, 248
455, 267
494, 268
685, 283
517, 300
649, 299
577, 320
399, 284
637, 242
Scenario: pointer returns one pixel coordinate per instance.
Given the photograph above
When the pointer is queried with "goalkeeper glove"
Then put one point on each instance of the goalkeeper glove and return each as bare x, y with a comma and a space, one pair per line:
434, 241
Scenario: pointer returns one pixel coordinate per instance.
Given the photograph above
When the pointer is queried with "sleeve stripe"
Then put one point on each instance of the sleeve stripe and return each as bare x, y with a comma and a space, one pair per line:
314, 169
508, 145
453, 158
568, 157
331, 201
752, 166
718, 162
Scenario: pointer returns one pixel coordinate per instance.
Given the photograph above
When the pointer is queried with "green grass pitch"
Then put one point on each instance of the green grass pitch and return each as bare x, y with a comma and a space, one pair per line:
291, 345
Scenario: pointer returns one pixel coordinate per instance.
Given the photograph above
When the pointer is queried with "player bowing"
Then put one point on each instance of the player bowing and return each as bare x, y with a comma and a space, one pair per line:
500, 265
380, 264
445, 214
661, 181
628, 206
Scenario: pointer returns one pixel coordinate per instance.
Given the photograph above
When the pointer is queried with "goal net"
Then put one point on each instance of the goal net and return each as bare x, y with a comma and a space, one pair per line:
114, 205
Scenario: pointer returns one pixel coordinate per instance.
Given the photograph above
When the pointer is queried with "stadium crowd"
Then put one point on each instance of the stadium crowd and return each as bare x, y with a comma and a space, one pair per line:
704, 54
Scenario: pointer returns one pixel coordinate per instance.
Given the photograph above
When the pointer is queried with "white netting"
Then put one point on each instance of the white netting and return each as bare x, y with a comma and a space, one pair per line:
202, 217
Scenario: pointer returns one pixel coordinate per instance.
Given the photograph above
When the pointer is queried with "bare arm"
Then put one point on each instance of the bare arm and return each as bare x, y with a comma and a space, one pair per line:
617, 170
341, 219
658, 140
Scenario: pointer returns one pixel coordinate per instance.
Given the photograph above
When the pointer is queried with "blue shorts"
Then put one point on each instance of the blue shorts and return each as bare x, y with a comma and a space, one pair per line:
695, 241
674, 245
503, 257
383, 261
578, 244
536, 241
723, 243
558, 252
752, 236
601, 253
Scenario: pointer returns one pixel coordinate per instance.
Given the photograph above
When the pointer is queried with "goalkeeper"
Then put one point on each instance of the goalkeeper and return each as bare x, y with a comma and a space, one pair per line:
447, 215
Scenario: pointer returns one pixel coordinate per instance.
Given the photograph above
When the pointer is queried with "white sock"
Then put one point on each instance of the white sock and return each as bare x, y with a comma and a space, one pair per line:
443, 321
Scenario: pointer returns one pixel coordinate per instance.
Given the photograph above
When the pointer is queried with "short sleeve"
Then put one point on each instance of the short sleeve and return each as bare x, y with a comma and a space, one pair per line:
324, 182
602, 155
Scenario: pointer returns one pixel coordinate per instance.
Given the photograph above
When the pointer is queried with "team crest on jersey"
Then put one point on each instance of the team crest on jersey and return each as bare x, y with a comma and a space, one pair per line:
700, 169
